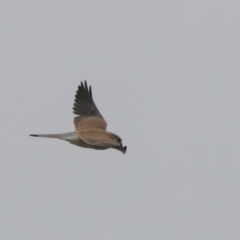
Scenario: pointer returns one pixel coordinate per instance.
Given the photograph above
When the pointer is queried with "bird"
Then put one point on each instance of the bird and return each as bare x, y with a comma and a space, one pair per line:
90, 126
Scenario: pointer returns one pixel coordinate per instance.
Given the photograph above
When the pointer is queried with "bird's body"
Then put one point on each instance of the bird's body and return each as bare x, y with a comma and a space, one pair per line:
90, 126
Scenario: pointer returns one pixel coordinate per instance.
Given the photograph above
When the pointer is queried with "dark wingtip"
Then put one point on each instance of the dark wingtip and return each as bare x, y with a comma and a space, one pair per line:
33, 135
90, 90
125, 149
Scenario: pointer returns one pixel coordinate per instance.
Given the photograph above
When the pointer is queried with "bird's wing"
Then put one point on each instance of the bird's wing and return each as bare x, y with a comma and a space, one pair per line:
98, 138
92, 130
84, 104
89, 116
90, 124
84, 124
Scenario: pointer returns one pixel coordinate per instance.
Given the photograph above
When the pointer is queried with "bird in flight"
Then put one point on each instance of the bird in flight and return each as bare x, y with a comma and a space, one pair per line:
90, 126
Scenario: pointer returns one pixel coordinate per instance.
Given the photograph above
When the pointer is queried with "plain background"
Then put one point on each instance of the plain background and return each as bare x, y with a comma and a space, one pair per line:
166, 77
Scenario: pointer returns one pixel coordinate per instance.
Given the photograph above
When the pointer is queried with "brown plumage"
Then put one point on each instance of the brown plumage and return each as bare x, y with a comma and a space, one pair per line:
90, 126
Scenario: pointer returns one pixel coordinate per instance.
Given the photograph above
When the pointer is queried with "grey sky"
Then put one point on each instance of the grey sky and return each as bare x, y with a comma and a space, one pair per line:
166, 77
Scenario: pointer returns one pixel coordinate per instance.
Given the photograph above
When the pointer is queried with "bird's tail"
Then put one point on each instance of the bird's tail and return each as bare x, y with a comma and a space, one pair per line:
47, 135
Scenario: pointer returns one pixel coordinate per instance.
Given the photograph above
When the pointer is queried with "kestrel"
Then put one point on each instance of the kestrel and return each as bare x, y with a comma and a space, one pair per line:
90, 126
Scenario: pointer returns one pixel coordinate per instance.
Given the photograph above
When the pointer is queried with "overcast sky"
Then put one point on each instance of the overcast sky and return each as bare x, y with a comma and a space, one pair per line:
166, 77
